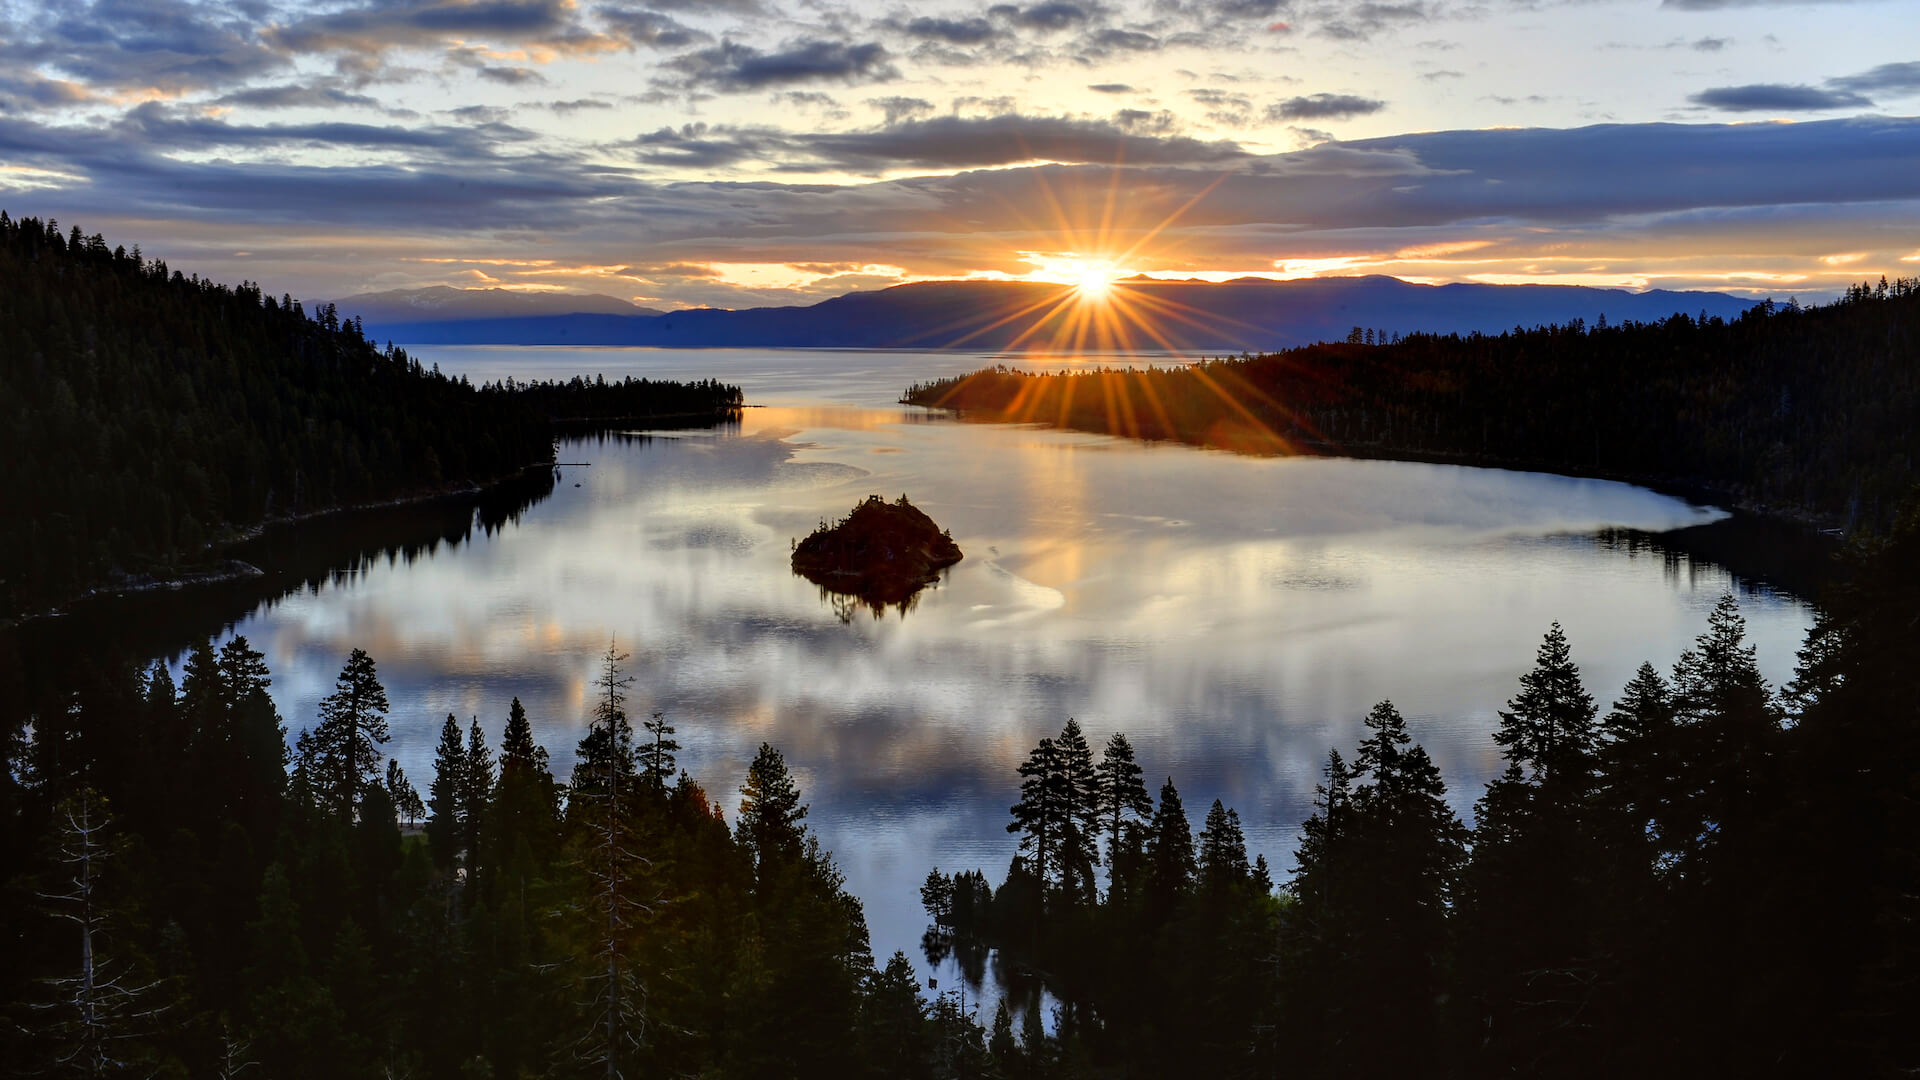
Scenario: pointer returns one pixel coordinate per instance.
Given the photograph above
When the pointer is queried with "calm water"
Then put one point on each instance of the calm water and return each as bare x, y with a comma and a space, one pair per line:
1234, 616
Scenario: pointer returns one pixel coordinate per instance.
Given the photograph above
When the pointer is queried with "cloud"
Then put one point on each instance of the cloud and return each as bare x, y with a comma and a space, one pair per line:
1777, 97
380, 26
897, 109
1896, 79
731, 67
1720, 5
1050, 15
1709, 44
157, 126
1110, 88
971, 30
1113, 39
28, 91
169, 45
1714, 191
638, 26
1359, 22
295, 96
1324, 107
510, 76
1223, 9
956, 142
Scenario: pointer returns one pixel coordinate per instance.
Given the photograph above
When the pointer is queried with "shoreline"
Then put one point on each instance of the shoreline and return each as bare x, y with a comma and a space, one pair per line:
213, 569
1813, 522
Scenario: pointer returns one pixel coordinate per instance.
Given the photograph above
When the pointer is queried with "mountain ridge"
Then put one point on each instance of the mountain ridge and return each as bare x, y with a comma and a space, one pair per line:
1244, 314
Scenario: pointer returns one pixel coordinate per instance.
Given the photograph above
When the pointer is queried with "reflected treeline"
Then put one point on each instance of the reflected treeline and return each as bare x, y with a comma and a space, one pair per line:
43, 659
1759, 551
1711, 877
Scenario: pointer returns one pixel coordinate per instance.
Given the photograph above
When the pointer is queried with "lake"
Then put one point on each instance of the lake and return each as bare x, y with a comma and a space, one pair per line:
1235, 616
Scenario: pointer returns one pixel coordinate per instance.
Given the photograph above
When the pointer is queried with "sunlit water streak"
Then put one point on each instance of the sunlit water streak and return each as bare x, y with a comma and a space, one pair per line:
1235, 616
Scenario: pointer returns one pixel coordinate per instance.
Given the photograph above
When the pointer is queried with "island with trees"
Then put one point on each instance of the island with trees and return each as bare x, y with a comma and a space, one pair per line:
882, 553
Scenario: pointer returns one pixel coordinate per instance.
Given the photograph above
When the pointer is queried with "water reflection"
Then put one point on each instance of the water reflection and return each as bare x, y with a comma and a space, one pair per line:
1236, 617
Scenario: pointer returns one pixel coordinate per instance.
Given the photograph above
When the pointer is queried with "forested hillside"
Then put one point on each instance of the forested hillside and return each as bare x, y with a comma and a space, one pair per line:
1814, 412
144, 414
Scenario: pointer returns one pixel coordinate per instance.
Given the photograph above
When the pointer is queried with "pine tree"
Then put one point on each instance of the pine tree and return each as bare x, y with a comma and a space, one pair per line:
518, 751
98, 1016
616, 997
1170, 862
353, 722
770, 814
656, 755
1122, 791
406, 799
1641, 763
476, 789
446, 801
1079, 850
606, 752
1000, 1044
1040, 817
1223, 852
1548, 727
1731, 723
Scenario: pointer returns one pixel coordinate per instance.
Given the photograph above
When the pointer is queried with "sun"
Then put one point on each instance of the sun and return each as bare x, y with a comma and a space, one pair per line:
1094, 281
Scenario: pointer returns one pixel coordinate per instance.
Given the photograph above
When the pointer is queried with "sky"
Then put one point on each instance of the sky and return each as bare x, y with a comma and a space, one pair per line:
737, 153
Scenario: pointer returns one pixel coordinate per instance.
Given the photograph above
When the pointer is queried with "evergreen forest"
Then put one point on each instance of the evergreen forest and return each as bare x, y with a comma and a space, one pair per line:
1805, 412
1710, 876
146, 415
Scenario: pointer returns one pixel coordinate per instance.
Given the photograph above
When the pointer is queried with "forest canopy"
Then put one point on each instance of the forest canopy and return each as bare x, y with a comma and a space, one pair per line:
146, 414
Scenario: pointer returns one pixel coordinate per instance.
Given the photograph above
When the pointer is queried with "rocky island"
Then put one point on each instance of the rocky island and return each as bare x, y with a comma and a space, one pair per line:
881, 554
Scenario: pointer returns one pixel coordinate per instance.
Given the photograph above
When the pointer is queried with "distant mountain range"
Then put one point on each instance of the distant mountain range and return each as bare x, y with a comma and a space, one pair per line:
442, 303
1245, 314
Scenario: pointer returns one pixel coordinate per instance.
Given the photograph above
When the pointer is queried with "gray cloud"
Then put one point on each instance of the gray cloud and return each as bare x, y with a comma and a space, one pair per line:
1113, 39
639, 26
1359, 22
1718, 5
897, 109
27, 92
1110, 88
971, 30
1709, 44
295, 96
381, 26
1223, 9
510, 76
949, 142
1324, 107
169, 45
1049, 15
1894, 79
730, 67
1777, 97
